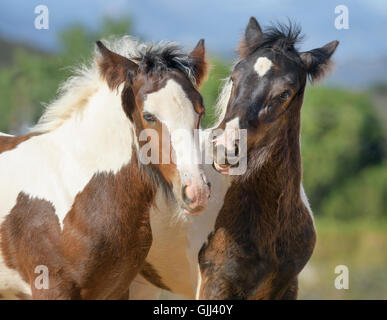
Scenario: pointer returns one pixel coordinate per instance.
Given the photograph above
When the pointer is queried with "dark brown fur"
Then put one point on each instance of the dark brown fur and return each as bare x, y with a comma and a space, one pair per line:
264, 234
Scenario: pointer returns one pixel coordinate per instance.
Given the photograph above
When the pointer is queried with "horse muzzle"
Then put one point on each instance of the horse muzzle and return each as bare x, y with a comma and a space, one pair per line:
195, 194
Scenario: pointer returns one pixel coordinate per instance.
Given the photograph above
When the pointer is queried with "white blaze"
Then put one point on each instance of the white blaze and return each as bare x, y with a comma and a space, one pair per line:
179, 116
262, 66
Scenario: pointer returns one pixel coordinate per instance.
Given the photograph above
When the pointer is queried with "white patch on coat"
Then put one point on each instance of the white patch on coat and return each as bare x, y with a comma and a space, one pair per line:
262, 65
5, 135
11, 283
57, 165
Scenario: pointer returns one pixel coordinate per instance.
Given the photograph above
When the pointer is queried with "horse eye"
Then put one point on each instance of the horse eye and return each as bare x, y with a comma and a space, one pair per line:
148, 117
285, 95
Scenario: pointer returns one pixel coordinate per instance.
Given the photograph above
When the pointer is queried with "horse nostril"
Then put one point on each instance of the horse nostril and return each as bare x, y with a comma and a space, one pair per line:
184, 195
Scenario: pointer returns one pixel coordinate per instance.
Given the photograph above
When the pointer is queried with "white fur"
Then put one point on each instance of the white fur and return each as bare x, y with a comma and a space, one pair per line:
179, 117
222, 101
57, 165
5, 135
262, 66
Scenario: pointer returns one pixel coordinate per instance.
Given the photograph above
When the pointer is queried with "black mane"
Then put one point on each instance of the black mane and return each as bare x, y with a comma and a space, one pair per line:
163, 58
283, 36
280, 37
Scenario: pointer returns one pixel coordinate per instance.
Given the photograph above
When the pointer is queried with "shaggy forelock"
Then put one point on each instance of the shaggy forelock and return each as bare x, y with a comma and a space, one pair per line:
164, 57
281, 37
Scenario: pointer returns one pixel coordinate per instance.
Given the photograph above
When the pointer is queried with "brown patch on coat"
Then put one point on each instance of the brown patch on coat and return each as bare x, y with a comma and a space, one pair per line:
31, 236
107, 233
9, 142
103, 245
151, 275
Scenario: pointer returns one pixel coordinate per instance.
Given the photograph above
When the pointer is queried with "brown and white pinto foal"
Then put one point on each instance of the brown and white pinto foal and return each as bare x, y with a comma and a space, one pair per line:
75, 195
264, 233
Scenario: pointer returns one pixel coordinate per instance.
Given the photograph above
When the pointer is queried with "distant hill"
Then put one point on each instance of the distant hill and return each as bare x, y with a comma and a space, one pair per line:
8, 49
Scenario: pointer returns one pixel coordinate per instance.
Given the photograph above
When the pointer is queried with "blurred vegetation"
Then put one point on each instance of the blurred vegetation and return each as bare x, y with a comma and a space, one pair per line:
31, 78
343, 149
359, 245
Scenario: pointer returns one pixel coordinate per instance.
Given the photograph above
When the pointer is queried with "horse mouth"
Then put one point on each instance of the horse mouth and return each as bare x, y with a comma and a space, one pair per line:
195, 211
222, 168
192, 211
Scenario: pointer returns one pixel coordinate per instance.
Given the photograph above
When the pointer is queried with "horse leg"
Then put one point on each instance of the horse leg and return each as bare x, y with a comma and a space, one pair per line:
232, 269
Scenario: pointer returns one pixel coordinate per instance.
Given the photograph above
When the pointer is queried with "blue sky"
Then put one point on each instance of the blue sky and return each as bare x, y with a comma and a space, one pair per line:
220, 22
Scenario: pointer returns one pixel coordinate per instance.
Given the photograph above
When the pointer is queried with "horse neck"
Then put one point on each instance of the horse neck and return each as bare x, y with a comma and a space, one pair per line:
98, 137
274, 182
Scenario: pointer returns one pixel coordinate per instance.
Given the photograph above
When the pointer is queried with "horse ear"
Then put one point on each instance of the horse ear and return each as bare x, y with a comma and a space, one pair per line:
200, 64
317, 61
114, 67
253, 35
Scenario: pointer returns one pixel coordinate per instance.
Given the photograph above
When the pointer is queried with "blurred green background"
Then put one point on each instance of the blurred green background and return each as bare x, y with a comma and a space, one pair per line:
343, 147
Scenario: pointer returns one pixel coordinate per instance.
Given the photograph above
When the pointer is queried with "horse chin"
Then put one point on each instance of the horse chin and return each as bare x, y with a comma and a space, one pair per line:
192, 212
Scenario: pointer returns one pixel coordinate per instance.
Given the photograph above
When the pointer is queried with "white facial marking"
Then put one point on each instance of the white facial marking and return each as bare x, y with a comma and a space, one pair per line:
179, 116
262, 66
